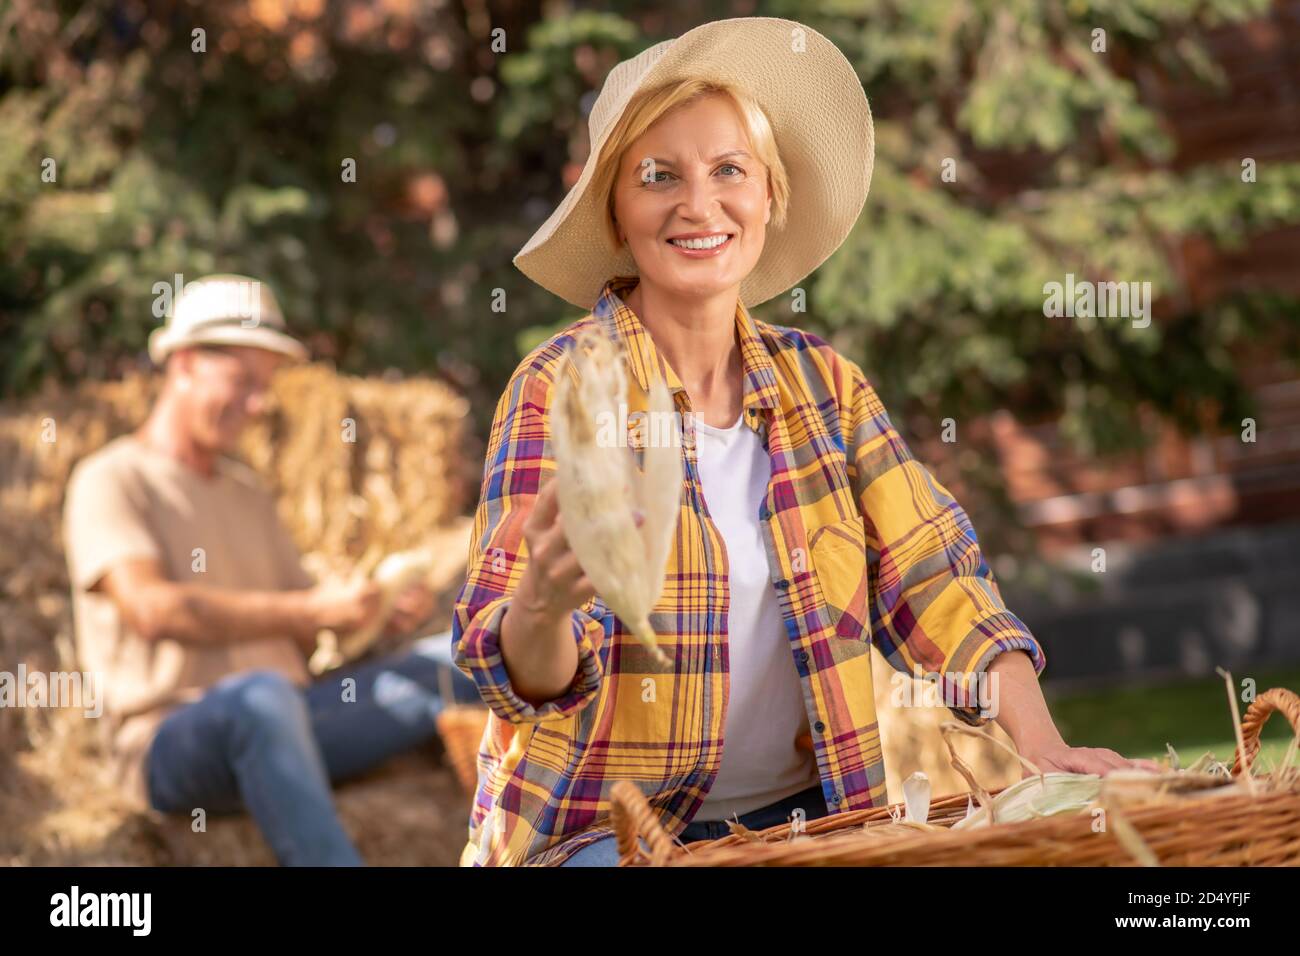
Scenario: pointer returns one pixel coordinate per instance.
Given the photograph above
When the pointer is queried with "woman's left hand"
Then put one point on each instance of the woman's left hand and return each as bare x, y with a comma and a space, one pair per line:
1064, 758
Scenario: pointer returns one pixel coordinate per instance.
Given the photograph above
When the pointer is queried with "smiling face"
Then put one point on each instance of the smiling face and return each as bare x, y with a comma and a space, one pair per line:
692, 177
221, 390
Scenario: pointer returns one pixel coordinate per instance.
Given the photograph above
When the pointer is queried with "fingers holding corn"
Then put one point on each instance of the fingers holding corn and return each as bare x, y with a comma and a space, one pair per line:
553, 584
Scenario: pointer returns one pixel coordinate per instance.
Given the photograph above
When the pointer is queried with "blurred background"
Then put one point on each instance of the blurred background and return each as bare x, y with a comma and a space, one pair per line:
1137, 488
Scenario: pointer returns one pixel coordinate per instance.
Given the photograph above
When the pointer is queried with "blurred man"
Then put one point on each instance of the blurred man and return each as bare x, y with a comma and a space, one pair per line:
191, 602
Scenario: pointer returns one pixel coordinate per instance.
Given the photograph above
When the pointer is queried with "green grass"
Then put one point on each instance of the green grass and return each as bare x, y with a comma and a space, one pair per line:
1193, 716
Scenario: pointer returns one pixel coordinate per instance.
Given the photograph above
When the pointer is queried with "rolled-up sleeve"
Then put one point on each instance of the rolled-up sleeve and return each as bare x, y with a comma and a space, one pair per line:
935, 606
519, 460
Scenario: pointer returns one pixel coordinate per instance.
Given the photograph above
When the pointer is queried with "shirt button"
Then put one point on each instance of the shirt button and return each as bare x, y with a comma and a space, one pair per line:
836, 799
819, 727
803, 657
763, 513
782, 585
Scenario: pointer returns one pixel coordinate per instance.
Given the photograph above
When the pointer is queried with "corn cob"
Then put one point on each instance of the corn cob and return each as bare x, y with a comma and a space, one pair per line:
1038, 796
394, 574
599, 487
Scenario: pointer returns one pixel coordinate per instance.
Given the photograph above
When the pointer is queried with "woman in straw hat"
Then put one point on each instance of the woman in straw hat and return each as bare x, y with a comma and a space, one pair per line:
725, 166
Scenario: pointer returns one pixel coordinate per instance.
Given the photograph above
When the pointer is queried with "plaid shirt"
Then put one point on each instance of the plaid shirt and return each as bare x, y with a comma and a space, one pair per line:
863, 543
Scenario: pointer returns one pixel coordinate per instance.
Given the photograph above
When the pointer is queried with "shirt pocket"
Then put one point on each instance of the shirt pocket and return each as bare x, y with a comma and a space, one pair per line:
839, 559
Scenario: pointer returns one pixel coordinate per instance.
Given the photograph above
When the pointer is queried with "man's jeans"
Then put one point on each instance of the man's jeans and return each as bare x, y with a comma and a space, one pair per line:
604, 852
256, 741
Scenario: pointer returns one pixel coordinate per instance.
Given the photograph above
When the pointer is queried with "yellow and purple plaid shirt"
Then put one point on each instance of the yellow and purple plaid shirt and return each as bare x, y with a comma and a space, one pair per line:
863, 544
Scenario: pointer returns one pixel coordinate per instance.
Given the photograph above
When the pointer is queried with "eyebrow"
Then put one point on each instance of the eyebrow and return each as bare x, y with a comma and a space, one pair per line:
721, 156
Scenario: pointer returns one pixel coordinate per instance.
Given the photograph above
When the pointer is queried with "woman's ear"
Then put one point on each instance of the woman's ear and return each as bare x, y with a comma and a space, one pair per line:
767, 217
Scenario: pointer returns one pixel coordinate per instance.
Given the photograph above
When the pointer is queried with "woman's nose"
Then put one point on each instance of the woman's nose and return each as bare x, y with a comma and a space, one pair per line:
697, 204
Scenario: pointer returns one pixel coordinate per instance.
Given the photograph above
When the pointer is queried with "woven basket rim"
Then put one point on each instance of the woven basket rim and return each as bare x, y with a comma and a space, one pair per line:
1058, 828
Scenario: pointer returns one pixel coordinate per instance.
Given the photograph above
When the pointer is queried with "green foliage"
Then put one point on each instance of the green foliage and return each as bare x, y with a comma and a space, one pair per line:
939, 291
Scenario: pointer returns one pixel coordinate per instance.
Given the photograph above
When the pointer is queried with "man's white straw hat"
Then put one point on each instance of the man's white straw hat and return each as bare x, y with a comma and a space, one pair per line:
225, 309
824, 134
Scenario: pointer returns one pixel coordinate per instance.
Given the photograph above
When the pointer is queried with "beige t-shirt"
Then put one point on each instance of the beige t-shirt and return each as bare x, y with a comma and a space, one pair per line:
127, 501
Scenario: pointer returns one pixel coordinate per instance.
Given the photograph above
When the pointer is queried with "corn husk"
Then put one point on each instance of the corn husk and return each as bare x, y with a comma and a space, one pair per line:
600, 488
1038, 796
394, 574
916, 798
1053, 793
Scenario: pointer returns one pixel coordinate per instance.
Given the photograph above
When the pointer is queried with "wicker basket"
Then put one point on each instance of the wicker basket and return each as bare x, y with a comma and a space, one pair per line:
1226, 830
461, 729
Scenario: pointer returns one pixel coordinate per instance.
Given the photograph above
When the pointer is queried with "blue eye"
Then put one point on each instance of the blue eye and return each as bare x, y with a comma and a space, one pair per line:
732, 166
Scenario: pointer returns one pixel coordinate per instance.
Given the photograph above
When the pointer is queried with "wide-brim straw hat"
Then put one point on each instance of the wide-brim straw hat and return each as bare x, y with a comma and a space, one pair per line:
225, 309
824, 134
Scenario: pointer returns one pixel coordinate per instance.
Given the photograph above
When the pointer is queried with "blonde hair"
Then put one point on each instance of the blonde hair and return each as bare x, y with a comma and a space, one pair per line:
649, 106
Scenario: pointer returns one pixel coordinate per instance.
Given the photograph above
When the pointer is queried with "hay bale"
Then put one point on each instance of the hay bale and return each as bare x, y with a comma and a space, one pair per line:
409, 812
364, 466
911, 741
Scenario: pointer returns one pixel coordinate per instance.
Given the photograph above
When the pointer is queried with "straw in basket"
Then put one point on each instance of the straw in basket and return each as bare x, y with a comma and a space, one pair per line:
1254, 821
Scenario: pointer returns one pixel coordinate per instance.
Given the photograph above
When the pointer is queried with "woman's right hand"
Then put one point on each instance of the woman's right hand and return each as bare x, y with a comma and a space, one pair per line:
553, 584
537, 643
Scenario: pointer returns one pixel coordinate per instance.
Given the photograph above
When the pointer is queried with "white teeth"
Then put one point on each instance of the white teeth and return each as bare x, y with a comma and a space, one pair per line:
709, 242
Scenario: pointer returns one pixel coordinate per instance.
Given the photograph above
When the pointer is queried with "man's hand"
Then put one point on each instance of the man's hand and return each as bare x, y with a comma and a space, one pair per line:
344, 605
413, 607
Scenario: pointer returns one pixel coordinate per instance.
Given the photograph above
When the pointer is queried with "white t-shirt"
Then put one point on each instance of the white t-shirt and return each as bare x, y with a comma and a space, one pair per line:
765, 707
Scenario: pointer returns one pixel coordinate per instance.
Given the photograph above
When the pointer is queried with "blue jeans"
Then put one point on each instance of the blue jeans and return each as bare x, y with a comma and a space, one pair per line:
604, 852
257, 742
